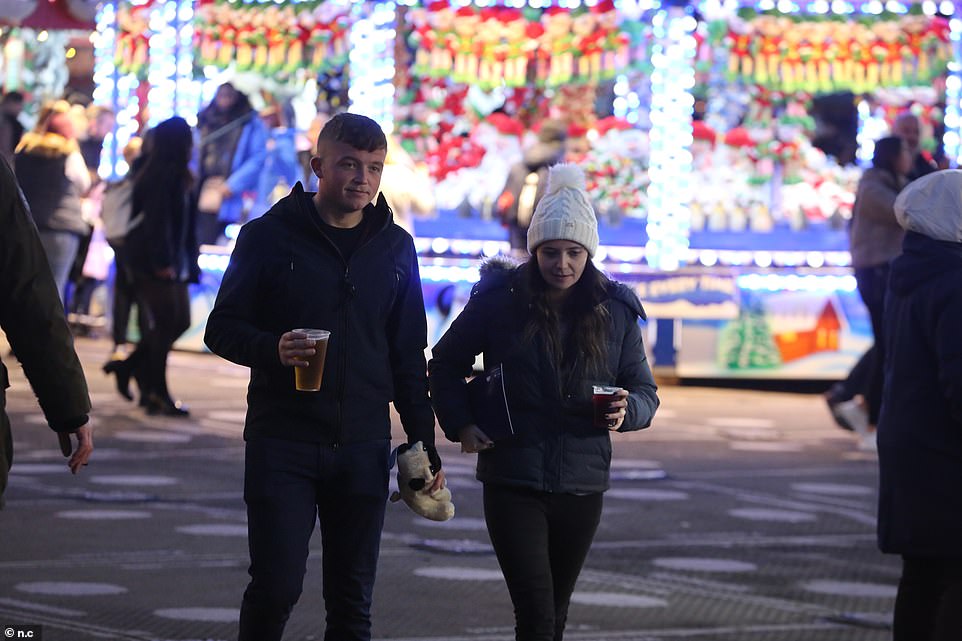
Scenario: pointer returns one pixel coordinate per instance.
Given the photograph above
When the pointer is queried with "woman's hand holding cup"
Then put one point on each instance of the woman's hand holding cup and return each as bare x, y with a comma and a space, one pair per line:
610, 406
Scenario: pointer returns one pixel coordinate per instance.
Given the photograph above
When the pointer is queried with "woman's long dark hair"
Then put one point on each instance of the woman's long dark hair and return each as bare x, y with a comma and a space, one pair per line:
886, 154
212, 117
168, 155
585, 350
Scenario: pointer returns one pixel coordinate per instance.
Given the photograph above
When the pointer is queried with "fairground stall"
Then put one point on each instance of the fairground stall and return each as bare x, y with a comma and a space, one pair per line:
791, 97
721, 140
724, 145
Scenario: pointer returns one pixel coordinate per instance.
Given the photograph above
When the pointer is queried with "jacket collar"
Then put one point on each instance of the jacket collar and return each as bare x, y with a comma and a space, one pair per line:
47, 144
298, 209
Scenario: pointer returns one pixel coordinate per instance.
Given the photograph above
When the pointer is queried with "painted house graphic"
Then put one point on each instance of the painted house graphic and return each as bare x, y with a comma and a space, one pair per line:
795, 344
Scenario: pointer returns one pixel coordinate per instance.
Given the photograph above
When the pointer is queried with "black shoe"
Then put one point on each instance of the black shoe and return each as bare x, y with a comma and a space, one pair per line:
157, 406
122, 370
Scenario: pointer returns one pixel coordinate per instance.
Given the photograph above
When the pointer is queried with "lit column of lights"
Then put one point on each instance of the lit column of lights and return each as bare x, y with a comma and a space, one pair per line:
871, 127
187, 95
372, 62
628, 100
171, 90
672, 105
115, 90
953, 97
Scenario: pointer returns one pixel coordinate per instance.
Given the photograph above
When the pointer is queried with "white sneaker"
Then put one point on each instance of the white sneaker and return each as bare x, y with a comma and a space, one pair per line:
855, 415
868, 442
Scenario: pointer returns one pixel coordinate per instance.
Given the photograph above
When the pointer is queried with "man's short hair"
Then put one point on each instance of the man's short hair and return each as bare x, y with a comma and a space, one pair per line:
355, 130
13, 96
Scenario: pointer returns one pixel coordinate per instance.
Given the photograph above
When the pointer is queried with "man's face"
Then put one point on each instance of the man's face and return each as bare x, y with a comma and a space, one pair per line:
102, 125
12, 108
348, 178
907, 129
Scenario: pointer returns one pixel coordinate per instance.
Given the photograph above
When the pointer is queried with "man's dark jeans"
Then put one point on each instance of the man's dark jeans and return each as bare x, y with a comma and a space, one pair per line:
288, 487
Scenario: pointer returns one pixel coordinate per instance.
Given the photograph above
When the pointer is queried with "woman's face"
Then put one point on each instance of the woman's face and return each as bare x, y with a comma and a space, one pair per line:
224, 98
903, 165
561, 263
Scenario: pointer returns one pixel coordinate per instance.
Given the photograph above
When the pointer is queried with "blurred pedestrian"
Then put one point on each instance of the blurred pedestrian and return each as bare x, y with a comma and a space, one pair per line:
875, 239
118, 218
920, 427
100, 123
11, 130
232, 151
527, 181
281, 168
161, 256
908, 127
555, 327
324, 455
31, 316
54, 178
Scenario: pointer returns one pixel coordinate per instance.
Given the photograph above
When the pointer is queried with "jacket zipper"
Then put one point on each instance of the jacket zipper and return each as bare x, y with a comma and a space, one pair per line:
343, 329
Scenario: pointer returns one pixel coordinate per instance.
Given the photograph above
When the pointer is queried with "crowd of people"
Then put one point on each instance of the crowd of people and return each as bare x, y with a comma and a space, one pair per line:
565, 331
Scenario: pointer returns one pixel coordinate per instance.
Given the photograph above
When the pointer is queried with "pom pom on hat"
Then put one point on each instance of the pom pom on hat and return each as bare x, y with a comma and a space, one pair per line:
565, 211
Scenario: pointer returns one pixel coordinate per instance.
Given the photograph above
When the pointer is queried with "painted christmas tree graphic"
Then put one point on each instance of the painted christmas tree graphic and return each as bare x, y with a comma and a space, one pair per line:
747, 342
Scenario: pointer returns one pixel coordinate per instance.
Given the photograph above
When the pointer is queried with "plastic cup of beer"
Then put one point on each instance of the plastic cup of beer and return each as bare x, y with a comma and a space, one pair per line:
601, 399
308, 379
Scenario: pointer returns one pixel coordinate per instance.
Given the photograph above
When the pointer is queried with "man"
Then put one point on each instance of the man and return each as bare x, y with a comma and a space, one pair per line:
32, 318
10, 128
907, 127
527, 181
332, 261
100, 122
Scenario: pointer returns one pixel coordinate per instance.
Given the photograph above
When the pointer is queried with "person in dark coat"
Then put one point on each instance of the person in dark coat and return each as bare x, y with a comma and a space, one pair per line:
54, 178
31, 316
875, 238
556, 327
330, 260
161, 256
527, 181
920, 429
11, 105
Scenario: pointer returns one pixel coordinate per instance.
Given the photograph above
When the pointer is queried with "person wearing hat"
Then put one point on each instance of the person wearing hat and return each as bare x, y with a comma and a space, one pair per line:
527, 180
920, 425
555, 327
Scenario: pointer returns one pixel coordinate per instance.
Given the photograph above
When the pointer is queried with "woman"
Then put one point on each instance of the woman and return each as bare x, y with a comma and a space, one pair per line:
875, 239
233, 148
281, 169
54, 178
556, 326
161, 254
920, 429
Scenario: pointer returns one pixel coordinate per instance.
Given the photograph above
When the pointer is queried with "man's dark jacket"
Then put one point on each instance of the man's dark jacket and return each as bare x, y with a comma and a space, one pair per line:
285, 274
555, 448
920, 427
32, 317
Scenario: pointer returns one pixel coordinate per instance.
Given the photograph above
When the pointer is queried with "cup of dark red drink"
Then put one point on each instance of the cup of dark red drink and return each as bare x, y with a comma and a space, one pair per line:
601, 399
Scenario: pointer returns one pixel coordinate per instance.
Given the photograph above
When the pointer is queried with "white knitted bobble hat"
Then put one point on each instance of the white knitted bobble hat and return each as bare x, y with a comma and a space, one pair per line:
565, 211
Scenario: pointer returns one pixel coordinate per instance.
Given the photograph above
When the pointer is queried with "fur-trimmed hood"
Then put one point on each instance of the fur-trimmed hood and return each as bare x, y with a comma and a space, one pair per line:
499, 270
47, 144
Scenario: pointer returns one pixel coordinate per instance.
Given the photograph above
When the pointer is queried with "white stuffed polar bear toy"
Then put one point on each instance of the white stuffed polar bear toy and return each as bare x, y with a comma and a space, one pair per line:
414, 477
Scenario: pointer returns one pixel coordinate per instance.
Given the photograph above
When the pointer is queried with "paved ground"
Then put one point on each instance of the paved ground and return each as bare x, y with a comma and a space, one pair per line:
739, 516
